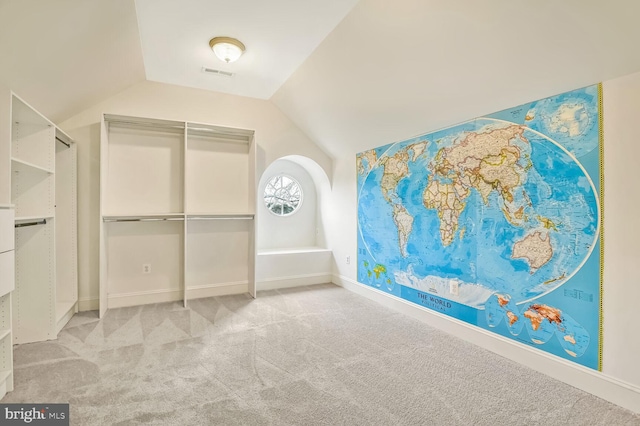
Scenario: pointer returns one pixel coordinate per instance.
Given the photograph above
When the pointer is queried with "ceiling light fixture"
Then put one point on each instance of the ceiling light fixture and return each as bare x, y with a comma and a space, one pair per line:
226, 48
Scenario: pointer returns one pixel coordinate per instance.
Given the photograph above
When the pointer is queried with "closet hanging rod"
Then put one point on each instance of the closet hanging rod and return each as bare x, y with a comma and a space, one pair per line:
63, 142
143, 219
23, 225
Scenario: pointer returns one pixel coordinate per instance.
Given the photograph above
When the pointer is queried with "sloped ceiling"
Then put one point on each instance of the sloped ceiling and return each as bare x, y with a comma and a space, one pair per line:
392, 70
62, 56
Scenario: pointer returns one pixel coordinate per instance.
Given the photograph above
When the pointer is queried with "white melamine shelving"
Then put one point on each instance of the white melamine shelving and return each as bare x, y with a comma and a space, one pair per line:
44, 192
178, 204
7, 285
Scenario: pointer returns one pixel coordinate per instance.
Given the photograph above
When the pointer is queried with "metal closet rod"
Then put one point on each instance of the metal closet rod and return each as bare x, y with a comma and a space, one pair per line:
63, 142
23, 225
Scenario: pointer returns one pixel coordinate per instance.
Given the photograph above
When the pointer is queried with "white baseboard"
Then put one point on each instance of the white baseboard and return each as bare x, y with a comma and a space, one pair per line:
212, 290
597, 383
66, 317
143, 298
88, 305
293, 281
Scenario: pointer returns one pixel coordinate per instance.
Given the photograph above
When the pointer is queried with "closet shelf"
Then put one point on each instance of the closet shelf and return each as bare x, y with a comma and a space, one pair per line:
222, 134
292, 250
19, 219
24, 166
141, 217
243, 216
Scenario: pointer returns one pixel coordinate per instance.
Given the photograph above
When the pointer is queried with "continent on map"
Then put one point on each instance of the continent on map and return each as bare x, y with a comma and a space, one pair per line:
404, 223
503, 300
486, 162
570, 339
370, 156
513, 318
537, 313
570, 119
379, 269
395, 169
535, 248
448, 200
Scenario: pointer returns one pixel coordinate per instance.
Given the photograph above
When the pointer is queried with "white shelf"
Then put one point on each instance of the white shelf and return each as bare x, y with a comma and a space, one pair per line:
31, 218
142, 217
4, 334
25, 166
7, 206
220, 133
243, 216
292, 250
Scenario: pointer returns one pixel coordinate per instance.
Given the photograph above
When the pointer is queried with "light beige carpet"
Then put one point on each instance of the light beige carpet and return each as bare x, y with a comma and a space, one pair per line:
316, 355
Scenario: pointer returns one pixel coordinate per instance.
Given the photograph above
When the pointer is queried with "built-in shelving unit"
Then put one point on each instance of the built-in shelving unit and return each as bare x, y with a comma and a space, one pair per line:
178, 207
7, 284
44, 192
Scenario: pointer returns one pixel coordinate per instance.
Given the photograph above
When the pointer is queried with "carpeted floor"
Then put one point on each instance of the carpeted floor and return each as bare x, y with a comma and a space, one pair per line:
316, 355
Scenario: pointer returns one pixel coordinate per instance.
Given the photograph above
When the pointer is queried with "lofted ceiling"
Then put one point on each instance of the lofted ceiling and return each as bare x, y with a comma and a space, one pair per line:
351, 74
279, 36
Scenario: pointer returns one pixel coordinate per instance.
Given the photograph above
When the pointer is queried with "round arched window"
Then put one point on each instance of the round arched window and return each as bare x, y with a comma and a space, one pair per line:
282, 195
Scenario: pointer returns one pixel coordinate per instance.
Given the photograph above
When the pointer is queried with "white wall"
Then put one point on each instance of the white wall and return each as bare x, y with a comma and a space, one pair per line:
622, 250
621, 229
296, 230
276, 136
5, 145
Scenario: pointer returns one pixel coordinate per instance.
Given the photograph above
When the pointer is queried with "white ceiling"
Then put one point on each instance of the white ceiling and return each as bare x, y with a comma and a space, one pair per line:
278, 34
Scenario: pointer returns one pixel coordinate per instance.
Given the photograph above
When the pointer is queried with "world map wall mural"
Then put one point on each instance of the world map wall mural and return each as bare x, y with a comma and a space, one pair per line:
496, 222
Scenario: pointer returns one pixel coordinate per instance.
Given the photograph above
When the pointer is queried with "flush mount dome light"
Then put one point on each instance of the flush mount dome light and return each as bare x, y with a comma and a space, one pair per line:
226, 48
